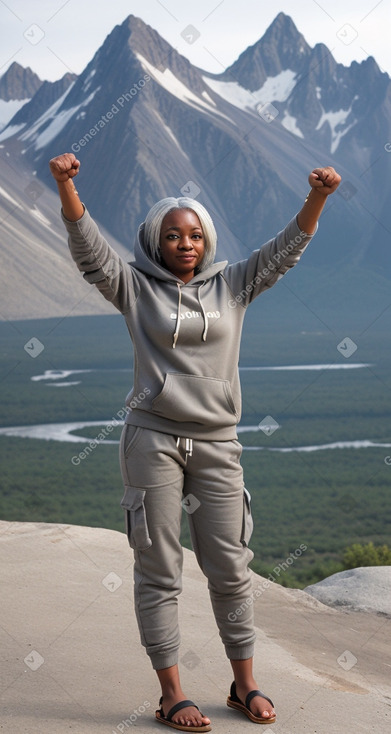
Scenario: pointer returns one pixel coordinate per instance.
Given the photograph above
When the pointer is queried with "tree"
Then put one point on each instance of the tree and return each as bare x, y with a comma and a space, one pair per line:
358, 555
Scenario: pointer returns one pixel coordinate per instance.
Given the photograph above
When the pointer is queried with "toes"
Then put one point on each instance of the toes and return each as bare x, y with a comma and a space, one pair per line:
191, 720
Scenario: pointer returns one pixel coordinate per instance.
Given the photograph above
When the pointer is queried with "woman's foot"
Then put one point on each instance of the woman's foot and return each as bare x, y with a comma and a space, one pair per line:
189, 716
259, 706
245, 682
172, 694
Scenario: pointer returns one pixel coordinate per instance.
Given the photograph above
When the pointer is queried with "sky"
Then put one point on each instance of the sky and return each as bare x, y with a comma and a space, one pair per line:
54, 37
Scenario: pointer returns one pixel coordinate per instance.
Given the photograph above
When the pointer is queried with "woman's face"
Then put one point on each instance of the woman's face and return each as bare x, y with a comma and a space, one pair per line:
182, 244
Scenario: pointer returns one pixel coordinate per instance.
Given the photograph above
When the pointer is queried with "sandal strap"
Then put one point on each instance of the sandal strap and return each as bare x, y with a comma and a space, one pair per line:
178, 707
252, 695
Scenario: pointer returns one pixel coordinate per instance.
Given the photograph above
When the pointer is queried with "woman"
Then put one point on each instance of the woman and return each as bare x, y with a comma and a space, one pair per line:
184, 314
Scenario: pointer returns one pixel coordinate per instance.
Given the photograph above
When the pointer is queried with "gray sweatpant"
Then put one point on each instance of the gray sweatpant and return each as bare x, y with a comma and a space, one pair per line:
162, 474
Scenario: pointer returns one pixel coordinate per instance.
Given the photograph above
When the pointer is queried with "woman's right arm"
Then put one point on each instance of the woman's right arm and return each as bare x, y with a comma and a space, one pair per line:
100, 264
63, 169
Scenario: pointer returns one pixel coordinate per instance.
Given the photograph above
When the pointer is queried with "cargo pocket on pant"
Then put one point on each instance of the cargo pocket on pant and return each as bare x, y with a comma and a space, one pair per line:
135, 518
247, 524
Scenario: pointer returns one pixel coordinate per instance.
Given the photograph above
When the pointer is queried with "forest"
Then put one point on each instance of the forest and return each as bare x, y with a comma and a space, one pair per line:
323, 499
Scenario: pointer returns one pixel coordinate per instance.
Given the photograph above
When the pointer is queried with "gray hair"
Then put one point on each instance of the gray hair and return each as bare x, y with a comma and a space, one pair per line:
153, 225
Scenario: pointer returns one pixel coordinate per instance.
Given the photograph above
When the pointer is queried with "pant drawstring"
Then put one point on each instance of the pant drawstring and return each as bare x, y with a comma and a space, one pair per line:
185, 446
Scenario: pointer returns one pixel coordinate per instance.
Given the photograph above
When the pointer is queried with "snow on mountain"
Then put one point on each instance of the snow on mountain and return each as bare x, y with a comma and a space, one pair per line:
17, 86
168, 81
11, 130
50, 124
29, 111
338, 123
290, 124
5, 195
158, 126
274, 89
8, 109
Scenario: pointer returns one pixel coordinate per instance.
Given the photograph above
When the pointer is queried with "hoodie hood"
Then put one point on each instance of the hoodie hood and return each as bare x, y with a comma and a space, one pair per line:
147, 264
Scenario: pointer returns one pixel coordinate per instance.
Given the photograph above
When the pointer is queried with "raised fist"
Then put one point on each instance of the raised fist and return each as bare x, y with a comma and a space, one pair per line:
324, 180
64, 166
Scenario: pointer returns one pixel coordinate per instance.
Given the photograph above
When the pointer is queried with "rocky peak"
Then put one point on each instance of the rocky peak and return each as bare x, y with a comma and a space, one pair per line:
18, 83
281, 47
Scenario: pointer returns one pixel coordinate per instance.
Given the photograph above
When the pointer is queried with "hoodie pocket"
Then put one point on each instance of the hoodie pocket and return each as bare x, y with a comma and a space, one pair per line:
247, 523
135, 518
194, 399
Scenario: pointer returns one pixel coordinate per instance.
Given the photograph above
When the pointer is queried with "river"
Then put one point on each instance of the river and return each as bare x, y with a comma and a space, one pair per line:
67, 432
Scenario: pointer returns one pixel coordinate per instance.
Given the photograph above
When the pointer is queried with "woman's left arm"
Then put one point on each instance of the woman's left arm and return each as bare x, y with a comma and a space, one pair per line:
323, 182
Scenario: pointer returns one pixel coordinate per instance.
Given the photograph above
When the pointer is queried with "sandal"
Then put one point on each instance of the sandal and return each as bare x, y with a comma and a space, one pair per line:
234, 702
182, 727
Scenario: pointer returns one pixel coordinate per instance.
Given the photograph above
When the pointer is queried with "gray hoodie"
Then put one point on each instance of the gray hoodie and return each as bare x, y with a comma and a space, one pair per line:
186, 336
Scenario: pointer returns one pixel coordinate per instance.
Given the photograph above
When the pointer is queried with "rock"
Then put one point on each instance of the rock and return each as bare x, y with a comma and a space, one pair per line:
358, 589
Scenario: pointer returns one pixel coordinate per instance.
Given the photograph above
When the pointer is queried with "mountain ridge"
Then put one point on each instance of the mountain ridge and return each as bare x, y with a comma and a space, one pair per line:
147, 124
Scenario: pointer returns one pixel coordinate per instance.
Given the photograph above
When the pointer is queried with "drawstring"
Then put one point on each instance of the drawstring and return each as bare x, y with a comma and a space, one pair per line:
204, 333
178, 318
185, 446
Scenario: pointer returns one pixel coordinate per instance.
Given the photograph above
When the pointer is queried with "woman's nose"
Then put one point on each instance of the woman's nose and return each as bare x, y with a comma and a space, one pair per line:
185, 244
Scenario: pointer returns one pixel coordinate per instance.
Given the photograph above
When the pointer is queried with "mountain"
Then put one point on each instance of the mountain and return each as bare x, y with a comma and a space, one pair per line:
47, 95
17, 86
37, 276
282, 47
18, 83
147, 124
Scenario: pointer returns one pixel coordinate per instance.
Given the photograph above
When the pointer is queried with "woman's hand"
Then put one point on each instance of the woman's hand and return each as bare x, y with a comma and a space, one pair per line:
324, 180
64, 167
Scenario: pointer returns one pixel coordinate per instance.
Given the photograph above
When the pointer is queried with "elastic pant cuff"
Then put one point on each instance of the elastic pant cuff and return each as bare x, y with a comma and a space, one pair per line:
164, 659
239, 653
